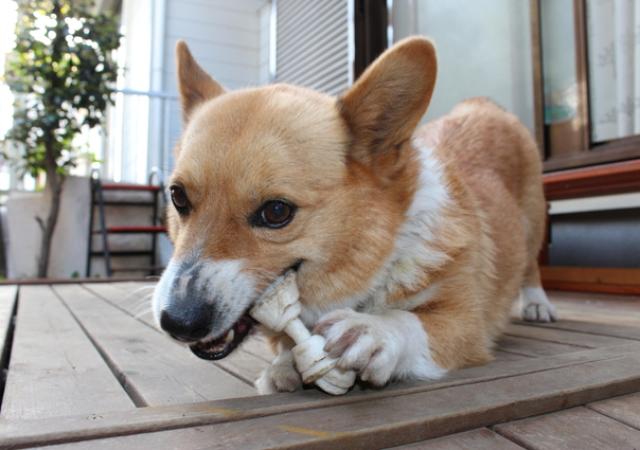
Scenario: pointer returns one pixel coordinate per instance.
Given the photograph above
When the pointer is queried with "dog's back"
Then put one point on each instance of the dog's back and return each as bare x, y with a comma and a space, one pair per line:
495, 158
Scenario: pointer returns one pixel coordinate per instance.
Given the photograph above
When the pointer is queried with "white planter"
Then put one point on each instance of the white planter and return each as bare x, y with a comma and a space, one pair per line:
69, 245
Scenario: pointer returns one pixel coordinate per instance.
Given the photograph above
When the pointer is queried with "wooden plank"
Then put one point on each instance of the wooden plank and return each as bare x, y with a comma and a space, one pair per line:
533, 347
54, 368
625, 409
8, 295
136, 302
595, 275
591, 279
553, 382
562, 336
598, 329
501, 356
154, 370
482, 439
246, 362
406, 419
598, 308
599, 180
578, 286
571, 429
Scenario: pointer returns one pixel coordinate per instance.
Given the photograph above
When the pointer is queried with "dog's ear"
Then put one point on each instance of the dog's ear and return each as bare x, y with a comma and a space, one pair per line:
384, 106
195, 85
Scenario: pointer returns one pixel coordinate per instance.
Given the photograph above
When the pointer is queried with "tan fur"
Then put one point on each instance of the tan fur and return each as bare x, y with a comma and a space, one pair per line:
496, 165
351, 168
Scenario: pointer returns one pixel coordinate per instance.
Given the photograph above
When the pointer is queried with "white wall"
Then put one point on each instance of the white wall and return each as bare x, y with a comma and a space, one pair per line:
224, 37
129, 120
484, 49
227, 38
69, 244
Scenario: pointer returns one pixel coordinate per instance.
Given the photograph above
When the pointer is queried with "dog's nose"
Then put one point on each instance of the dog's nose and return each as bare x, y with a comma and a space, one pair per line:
189, 325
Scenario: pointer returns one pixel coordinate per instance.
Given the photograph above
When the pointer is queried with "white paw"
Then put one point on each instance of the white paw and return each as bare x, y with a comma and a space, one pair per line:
361, 342
280, 376
536, 307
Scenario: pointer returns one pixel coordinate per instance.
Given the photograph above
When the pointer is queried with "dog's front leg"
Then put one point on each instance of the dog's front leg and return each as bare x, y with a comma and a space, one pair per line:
380, 347
281, 375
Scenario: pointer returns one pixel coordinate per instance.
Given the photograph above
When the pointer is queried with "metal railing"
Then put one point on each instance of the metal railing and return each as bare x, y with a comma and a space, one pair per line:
141, 132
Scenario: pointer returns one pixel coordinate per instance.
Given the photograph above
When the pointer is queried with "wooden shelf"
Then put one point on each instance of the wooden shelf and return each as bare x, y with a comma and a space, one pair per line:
592, 181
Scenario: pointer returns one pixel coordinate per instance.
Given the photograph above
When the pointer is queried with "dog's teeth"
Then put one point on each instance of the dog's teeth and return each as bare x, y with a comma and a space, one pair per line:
229, 337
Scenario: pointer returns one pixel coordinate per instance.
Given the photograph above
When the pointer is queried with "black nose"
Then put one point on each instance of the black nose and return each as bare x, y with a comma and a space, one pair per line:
188, 325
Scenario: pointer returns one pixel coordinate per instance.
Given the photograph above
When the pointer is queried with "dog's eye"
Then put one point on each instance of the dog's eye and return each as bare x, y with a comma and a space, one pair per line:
274, 214
180, 199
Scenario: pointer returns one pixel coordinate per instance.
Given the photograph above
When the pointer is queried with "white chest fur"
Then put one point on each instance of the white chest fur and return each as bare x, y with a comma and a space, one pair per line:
414, 251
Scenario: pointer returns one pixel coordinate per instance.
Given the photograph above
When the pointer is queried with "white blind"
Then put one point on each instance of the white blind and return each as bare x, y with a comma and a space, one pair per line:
314, 44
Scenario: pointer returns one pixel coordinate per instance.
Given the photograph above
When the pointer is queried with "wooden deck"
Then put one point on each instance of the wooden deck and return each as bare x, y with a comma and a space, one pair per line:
86, 368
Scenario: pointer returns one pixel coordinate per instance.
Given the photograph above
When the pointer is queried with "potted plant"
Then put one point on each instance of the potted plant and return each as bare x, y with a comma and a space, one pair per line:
62, 73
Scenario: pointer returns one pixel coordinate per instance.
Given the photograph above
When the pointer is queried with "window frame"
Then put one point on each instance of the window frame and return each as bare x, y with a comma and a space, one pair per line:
588, 153
371, 22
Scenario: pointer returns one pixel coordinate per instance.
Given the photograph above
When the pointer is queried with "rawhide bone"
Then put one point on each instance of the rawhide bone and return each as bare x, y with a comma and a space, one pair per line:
278, 309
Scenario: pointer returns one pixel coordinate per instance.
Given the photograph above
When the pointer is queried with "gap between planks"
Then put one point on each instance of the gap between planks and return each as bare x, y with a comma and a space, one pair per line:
54, 368
578, 427
245, 363
153, 369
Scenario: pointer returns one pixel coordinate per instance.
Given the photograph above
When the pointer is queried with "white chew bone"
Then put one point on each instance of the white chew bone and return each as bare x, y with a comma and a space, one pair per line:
278, 309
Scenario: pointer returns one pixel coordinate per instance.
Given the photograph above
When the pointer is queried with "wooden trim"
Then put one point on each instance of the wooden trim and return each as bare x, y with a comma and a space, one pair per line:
599, 180
37, 281
570, 137
538, 90
569, 144
606, 152
592, 279
582, 69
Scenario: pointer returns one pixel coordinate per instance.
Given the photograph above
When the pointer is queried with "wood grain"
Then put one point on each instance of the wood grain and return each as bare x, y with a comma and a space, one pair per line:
408, 416
592, 275
154, 369
578, 428
559, 336
246, 362
482, 439
603, 179
601, 329
591, 279
625, 409
54, 368
19, 433
533, 347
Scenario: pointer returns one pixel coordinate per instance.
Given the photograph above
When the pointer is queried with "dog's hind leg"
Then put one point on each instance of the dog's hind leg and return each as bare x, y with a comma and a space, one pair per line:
535, 305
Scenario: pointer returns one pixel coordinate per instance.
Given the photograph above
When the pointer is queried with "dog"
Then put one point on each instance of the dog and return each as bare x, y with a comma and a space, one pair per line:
410, 243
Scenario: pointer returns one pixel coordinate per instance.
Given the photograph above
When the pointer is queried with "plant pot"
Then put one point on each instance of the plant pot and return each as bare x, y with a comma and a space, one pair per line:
69, 245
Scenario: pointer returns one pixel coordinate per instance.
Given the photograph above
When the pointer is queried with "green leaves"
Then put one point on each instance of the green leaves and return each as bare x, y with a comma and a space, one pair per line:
63, 75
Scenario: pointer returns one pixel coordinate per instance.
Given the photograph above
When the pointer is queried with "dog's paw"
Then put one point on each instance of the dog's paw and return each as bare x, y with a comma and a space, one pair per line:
280, 376
361, 342
536, 307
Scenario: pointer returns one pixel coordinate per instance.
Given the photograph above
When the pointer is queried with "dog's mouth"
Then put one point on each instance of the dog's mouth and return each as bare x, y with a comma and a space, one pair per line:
218, 348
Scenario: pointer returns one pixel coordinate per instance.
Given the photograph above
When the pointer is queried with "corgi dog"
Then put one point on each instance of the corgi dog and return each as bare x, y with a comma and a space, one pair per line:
410, 243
